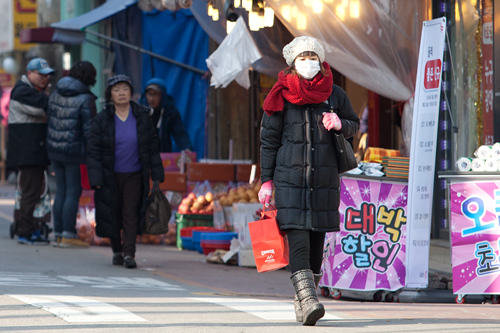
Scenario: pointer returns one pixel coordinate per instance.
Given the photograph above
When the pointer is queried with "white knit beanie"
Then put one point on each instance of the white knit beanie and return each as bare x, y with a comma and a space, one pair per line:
302, 44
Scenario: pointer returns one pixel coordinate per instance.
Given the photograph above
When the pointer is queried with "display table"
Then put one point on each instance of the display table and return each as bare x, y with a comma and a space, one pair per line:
474, 214
368, 253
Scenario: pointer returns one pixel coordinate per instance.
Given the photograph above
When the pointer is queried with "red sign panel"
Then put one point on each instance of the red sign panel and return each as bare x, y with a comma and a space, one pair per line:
432, 74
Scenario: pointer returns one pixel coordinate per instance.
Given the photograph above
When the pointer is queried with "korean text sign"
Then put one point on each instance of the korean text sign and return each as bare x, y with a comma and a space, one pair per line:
475, 237
423, 151
368, 252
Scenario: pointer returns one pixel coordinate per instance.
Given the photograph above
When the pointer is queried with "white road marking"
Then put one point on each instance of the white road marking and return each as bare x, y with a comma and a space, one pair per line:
122, 283
265, 309
30, 280
75, 309
7, 202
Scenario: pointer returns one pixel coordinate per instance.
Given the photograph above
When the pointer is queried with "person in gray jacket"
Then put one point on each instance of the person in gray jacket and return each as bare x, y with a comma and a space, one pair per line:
71, 108
26, 150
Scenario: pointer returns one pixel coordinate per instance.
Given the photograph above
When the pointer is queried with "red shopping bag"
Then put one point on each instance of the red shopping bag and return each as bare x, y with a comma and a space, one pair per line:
85, 177
269, 244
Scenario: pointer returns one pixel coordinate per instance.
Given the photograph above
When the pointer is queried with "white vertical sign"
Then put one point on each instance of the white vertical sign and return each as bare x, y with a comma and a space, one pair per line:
6, 26
423, 152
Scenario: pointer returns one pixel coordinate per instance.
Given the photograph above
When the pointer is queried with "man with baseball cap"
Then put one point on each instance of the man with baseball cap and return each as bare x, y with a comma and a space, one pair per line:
26, 149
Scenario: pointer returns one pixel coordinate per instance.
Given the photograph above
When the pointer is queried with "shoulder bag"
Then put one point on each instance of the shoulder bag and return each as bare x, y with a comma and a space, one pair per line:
345, 155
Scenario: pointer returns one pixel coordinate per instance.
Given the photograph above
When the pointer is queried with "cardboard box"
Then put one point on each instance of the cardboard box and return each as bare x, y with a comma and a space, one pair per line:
243, 214
174, 181
245, 258
172, 161
243, 172
210, 172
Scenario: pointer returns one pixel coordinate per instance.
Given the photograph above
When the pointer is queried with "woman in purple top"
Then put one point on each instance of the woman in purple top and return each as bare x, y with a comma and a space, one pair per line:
123, 155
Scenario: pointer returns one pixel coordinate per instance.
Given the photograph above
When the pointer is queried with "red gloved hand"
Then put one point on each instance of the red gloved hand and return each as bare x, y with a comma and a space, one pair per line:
331, 120
265, 193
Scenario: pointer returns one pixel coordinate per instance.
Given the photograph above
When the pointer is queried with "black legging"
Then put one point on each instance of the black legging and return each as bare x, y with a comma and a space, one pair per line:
306, 250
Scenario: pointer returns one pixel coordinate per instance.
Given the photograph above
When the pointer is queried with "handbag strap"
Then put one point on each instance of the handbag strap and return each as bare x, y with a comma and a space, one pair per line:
330, 102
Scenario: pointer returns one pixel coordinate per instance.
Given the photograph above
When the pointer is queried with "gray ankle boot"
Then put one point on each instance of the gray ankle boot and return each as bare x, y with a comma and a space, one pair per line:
298, 310
305, 289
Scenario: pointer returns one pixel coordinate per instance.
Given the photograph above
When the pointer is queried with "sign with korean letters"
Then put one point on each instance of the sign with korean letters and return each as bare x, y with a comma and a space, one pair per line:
15, 16
475, 237
423, 151
368, 253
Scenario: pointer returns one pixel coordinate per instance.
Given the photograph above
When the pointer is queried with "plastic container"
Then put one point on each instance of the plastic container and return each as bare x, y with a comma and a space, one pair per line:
187, 236
196, 238
210, 242
191, 220
187, 243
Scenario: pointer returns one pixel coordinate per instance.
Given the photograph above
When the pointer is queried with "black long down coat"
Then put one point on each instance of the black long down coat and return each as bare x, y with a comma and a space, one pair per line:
298, 154
101, 162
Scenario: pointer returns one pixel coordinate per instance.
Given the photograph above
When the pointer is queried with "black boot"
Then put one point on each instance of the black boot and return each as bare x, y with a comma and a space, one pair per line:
298, 310
305, 289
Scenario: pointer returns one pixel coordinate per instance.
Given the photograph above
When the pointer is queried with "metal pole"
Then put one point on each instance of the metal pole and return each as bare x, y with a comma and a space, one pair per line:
140, 49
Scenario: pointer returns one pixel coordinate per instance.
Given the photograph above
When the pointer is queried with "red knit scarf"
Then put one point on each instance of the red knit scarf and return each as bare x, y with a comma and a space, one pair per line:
298, 91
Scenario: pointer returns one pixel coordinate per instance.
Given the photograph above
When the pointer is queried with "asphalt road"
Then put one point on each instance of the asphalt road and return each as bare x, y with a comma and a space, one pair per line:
47, 289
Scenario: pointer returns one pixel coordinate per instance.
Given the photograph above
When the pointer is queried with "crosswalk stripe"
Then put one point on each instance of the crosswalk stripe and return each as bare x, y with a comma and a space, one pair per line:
74, 309
265, 309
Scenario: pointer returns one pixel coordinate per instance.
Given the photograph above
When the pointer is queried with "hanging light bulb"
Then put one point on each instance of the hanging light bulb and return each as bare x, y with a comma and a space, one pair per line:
262, 21
269, 16
237, 3
286, 12
253, 21
301, 22
457, 13
345, 3
230, 26
317, 6
210, 9
247, 4
215, 15
340, 12
354, 9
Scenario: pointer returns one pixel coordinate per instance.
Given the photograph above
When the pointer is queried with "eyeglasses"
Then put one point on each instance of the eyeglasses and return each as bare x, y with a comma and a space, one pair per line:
40, 74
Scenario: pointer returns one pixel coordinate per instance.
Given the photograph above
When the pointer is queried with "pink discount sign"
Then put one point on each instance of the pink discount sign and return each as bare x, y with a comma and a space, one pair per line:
368, 253
475, 237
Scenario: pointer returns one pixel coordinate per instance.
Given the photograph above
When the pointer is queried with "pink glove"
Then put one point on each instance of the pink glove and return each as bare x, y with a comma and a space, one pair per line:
331, 120
265, 193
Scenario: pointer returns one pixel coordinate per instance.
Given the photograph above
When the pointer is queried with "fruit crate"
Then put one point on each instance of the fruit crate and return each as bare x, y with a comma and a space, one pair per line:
192, 220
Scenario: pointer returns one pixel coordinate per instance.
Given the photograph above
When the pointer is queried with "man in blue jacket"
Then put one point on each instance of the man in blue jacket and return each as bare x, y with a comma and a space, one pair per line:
165, 116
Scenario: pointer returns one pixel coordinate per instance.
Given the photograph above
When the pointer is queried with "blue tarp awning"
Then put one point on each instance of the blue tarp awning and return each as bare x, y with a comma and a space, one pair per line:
72, 31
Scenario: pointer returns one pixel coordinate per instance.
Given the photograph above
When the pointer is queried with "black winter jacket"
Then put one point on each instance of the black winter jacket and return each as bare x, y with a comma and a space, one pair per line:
298, 154
71, 108
27, 126
101, 161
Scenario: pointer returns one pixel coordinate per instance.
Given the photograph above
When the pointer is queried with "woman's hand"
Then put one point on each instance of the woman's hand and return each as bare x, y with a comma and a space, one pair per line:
265, 193
331, 120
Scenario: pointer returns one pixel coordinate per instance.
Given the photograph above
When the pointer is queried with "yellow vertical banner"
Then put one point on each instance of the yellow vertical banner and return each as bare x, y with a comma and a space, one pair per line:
25, 17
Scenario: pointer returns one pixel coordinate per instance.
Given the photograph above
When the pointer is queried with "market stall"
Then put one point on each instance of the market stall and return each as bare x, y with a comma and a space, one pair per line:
366, 258
474, 214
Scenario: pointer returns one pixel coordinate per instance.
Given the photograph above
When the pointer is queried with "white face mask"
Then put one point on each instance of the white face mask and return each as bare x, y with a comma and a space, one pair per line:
307, 68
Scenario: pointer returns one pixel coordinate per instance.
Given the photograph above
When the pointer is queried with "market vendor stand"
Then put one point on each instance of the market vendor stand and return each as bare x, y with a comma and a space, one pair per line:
474, 215
367, 256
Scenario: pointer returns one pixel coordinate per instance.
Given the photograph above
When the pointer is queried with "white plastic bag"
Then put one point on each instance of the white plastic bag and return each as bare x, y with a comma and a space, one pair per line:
233, 57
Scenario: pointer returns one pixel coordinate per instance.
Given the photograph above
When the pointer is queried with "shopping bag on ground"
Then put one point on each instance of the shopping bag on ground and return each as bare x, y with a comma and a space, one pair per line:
269, 244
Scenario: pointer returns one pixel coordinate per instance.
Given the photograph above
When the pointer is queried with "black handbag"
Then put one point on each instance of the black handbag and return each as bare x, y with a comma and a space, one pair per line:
345, 155
158, 213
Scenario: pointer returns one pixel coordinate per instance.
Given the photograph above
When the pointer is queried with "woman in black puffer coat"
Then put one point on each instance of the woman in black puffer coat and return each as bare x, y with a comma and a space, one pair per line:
123, 153
71, 108
298, 158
